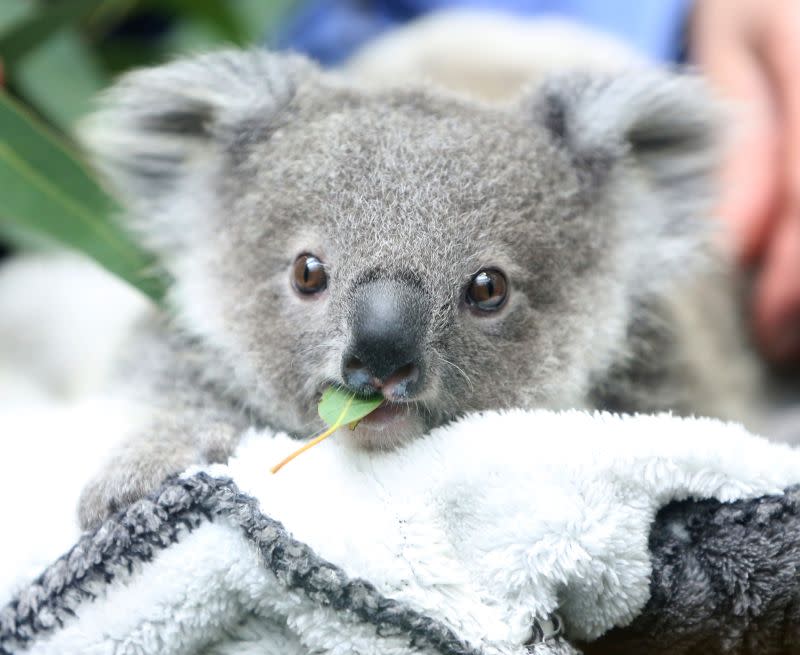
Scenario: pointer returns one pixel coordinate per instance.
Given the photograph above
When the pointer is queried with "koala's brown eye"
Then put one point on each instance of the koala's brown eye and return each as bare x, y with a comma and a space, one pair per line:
487, 291
308, 275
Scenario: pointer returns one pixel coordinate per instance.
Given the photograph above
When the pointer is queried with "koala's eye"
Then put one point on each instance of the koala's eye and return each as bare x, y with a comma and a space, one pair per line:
487, 291
308, 275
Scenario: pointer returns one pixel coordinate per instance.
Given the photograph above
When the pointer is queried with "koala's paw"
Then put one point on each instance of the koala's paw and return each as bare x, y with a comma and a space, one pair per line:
98, 500
119, 486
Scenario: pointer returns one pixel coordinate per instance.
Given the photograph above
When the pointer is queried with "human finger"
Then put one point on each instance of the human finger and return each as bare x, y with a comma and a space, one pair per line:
749, 179
781, 54
777, 294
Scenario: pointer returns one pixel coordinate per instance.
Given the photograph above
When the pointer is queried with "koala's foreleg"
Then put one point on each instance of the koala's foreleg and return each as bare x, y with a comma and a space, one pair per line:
140, 464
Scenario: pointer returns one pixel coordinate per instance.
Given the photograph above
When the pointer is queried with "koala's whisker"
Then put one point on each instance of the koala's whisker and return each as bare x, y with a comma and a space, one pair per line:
420, 409
457, 368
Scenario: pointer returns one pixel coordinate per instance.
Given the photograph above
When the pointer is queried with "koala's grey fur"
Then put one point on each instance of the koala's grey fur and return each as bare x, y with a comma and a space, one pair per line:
591, 194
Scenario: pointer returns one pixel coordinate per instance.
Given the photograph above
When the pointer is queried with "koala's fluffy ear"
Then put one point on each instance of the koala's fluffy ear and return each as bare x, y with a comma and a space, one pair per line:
154, 124
651, 133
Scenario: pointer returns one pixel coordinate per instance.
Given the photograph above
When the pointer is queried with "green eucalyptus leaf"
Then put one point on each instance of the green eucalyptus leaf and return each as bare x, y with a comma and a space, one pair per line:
49, 194
60, 78
339, 407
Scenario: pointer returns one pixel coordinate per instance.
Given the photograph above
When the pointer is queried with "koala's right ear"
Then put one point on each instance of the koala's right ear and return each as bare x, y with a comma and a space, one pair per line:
155, 124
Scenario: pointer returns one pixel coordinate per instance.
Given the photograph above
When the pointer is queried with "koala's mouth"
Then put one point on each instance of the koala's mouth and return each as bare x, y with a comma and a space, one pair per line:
390, 425
387, 412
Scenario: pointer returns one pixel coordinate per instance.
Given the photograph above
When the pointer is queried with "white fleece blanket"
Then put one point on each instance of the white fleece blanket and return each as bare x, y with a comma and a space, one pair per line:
489, 527
472, 539
511, 516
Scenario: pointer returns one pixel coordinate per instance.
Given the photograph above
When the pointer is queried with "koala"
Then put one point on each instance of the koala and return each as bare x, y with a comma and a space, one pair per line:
455, 256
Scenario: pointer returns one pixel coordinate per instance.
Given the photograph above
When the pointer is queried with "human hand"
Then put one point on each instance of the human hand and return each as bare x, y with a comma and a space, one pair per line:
750, 51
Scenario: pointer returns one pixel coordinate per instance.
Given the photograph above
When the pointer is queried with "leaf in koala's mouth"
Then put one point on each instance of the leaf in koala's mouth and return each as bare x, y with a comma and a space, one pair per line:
337, 408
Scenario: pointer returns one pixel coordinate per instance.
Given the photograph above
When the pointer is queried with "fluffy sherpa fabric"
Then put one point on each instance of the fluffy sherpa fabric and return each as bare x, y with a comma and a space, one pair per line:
504, 533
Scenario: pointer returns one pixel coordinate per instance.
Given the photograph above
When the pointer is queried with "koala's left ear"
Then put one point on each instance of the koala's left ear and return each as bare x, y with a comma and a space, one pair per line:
156, 125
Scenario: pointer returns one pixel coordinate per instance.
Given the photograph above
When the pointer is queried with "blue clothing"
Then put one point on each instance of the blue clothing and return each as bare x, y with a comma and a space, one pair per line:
330, 30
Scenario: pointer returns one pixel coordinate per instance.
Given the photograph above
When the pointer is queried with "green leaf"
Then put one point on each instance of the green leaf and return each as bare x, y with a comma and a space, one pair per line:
49, 194
339, 407
50, 155
60, 78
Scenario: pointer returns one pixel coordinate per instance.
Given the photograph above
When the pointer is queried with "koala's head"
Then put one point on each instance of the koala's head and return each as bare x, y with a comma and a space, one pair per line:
452, 255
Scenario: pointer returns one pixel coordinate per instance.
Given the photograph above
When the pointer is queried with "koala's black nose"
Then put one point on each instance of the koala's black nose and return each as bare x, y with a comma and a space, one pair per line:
388, 327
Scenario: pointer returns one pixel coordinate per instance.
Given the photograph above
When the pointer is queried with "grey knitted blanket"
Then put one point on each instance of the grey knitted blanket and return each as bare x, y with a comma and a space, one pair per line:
460, 543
